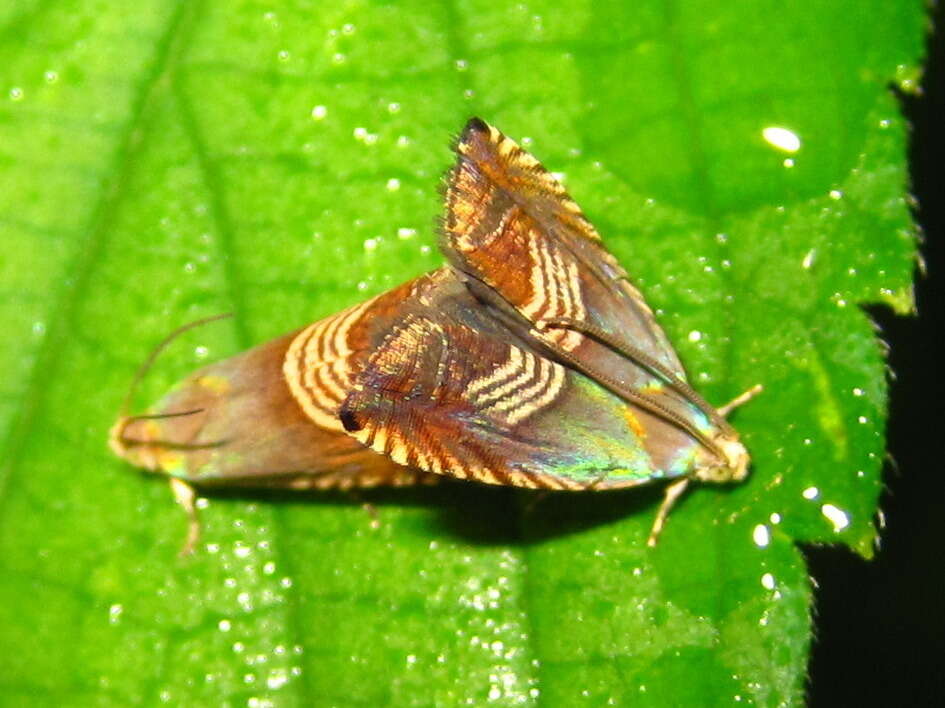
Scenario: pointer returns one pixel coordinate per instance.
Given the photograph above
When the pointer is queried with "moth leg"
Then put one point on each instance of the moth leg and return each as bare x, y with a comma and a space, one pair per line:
185, 495
740, 400
672, 492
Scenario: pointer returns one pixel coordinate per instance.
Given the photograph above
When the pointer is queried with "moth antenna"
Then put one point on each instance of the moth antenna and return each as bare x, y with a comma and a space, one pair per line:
146, 365
631, 396
681, 387
158, 416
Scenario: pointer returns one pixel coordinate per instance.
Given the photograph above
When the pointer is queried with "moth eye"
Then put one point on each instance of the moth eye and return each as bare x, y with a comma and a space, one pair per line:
349, 420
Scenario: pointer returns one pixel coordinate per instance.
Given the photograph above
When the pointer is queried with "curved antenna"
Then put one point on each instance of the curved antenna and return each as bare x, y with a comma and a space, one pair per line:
146, 365
645, 360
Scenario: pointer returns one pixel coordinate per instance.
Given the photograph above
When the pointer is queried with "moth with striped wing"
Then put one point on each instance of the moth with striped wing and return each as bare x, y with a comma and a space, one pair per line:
529, 360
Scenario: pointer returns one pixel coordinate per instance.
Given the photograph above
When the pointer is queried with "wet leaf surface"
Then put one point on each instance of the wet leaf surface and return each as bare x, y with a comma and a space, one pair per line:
161, 162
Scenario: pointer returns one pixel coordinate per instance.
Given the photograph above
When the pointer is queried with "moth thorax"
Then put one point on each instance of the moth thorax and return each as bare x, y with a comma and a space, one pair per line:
733, 466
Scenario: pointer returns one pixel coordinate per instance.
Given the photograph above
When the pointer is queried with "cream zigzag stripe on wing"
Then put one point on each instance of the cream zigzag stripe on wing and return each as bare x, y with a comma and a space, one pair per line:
556, 292
541, 179
466, 242
527, 383
512, 375
420, 454
316, 366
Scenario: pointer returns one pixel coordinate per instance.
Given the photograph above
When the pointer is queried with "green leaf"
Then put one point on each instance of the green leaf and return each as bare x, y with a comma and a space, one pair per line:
164, 161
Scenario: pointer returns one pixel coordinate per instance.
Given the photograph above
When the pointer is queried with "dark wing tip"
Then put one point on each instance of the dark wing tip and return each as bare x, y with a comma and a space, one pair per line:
474, 125
349, 419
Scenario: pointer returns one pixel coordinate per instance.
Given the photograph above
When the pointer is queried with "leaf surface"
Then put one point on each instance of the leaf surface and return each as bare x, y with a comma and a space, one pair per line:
160, 162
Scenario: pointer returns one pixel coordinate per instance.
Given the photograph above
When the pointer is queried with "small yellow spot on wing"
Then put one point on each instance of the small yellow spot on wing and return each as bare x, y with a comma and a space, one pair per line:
634, 424
215, 384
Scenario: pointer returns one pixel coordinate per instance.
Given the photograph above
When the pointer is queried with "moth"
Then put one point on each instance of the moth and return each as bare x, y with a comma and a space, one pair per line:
528, 360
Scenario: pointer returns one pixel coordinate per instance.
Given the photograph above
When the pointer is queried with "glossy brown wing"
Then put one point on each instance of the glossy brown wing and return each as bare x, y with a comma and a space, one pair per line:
524, 246
466, 402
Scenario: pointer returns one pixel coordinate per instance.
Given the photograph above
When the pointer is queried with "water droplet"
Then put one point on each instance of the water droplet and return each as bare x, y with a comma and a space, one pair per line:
114, 613
201, 352
788, 162
695, 335
462, 65
811, 493
370, 244
836, 194
224, 625
319, 112
775, 518
761, 536
781, 138
245, 601
393, 184
283, 55
277, 678
348, 28
768, 582
338, 58
403, 141
51, 76
836, 516
393, 107
16, 93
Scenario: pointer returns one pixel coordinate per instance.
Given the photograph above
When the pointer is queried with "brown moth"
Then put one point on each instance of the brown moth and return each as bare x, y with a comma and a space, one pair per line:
530, 361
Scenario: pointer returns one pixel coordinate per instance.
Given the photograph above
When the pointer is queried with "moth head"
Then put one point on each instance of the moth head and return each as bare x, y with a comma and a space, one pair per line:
734, 461
148, 441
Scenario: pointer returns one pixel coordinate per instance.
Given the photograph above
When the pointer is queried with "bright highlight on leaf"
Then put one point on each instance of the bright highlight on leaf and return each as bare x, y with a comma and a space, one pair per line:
782, 138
